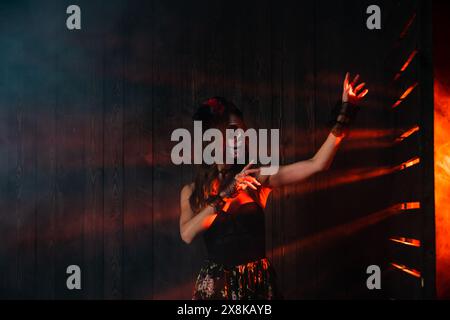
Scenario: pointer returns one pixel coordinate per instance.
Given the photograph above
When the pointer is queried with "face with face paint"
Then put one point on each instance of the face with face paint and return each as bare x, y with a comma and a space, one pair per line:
235, 143
221, 114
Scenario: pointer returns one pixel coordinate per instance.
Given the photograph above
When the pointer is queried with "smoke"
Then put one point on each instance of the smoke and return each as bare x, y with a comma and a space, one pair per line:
442, 186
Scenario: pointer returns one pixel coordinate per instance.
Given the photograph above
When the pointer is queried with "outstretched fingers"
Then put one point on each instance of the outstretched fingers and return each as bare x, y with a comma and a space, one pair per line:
359, 87
247, 166
249, 184
363, 94
252, 180
245, 179
248, 181
347, 77
251, 171
355, 80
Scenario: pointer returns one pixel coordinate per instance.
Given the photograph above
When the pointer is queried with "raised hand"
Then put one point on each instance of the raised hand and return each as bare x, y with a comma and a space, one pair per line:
352, 91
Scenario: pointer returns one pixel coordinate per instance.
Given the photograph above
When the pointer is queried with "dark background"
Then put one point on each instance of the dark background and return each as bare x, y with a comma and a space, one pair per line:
85, 124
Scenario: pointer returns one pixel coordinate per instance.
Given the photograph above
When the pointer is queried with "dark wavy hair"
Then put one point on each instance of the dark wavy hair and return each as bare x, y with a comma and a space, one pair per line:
214, 113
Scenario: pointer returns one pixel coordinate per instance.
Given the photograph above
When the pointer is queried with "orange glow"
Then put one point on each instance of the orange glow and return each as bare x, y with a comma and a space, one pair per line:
208, 221
408, 91
442, 186
344, 177
407, 133
407, 270
408, 26
332, 234
405, 206
406, 64
405, 95
373, 173
406, 241
410, 205
343, 230
369, 139
410, 163
396, 104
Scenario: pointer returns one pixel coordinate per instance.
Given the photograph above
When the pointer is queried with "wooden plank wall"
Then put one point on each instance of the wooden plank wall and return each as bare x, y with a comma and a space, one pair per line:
86, 118
410, 261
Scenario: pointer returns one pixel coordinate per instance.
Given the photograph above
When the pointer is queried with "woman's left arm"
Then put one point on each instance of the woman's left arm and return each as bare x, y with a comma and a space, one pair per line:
298, 171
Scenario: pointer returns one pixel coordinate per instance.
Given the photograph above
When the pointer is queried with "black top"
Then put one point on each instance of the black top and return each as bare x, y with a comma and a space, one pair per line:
238, 236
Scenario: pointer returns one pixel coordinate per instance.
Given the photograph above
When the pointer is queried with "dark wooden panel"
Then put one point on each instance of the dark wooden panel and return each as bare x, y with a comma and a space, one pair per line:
427, 148
407, 115
70, 179
408, 225
5, 147
113, 150
167, 115
138, 213
94, 161
408, 64
46, 101
406, 255
401, 285
403, 48
407, 149
401, 16
20, 234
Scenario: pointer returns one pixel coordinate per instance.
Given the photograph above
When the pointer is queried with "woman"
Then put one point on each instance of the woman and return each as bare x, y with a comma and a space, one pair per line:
226, 202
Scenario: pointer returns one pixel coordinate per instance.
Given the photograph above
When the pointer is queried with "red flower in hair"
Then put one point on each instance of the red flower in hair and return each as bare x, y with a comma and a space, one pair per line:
215, 105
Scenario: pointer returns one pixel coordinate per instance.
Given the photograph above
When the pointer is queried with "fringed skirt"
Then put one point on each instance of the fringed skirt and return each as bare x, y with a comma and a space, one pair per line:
252, 281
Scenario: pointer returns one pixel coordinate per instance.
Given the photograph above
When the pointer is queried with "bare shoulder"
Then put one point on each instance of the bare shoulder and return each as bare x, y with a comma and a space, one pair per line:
187, 190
